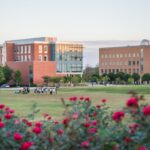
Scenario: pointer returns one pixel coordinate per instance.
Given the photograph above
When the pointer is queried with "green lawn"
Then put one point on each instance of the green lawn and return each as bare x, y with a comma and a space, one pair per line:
51, 104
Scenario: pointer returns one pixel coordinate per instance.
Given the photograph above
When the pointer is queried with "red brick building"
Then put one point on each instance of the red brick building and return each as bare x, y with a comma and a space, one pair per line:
128, 59
38, 57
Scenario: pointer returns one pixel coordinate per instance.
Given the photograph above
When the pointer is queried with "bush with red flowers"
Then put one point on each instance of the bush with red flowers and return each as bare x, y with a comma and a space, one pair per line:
84, 127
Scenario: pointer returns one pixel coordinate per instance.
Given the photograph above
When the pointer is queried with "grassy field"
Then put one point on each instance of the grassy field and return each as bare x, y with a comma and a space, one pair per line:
116, 96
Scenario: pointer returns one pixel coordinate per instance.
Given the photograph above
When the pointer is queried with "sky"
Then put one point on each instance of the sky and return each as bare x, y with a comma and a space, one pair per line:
77, 20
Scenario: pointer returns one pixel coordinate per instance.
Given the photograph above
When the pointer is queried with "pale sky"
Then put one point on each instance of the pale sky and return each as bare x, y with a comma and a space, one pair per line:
75, 19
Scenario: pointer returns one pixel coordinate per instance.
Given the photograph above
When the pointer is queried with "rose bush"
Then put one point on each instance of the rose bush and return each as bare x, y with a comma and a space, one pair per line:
84, 126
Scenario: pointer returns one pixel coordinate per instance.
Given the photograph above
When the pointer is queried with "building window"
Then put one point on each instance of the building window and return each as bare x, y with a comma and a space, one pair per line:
40, 48
21, 57
138, 63
25, 49
25, 58
117, 55
29, 49
129, 63
129, 55
40, 57
45, 58
18, 57
133, 54
45, 48
21, 49
29, 57
133, 63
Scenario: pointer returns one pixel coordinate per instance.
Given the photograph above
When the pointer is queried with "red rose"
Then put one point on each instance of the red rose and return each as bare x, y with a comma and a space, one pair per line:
49, 118
45, 115
7, 109
17, 136
24, 120
75, 115
8, 116
17, 121
92, 130
81, 98
56, 122
103, 100
142, 148
37, 130
117, 116
28, 123
132, 102
133, 127
127, 140
26, 145
2, 106
85, 144
51, 140
73, 99
94, 122
98, 106
60, 131
115, 147
38, 124
87, 99
65, 121
94, 114
11, 111
87, 125
146, 110
2, 125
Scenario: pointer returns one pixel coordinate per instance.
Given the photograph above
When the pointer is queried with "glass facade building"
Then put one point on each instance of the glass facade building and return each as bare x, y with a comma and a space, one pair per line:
68, 57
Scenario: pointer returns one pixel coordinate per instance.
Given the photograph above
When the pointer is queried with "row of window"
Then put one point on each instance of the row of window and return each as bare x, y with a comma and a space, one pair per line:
120, 70
23, 58
43, 58
69, 67
67, 56
63, 46
41, 48
120, 55
23, 49
129, 63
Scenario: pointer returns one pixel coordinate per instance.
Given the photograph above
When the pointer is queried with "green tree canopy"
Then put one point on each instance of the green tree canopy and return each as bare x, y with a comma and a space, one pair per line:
136, 77
18, 77
2, 77
8, 74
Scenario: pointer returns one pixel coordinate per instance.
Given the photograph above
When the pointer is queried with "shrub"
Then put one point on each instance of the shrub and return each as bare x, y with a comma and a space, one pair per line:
84, 126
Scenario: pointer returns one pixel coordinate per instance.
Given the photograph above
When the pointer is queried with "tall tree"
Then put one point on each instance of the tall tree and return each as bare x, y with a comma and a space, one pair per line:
146, 77
136, 77
2, 77
8, 73
18, 77
91, 73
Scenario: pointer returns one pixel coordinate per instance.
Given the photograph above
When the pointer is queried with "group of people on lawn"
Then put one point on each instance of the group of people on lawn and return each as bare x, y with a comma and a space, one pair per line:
26, 90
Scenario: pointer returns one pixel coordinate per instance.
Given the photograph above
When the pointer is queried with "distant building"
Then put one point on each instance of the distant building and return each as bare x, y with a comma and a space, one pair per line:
128, 59
38, 57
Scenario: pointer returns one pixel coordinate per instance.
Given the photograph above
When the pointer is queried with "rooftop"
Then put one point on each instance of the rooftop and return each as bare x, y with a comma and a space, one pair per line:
32, 40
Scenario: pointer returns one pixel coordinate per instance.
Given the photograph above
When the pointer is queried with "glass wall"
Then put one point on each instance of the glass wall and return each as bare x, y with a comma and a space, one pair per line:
69, 61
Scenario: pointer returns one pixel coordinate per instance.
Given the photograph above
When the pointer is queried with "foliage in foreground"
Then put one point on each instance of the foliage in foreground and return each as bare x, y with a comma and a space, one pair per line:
84, 127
